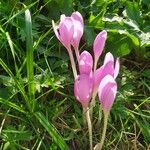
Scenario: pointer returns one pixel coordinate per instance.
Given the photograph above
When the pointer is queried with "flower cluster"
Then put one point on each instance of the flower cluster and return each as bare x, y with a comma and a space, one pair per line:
90, 80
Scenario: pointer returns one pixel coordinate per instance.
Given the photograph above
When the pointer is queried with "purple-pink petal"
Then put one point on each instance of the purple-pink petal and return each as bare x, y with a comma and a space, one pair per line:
99, 43
102, 72
78, 32
98, 75
78, 29
83, 88
77, 16
85, 63
108, 58
107, 92
66, 30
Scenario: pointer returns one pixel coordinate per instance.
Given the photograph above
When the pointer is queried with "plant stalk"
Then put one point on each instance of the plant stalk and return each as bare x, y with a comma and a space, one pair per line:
73, 65
95, 63
89, 127
106, 114
77, 54
92, 104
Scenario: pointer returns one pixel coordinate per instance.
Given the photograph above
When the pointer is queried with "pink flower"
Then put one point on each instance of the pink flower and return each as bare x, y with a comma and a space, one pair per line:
109, 67
83, 88
99, 44
78, 29
70, 30
85, 63
107, 92
64, 31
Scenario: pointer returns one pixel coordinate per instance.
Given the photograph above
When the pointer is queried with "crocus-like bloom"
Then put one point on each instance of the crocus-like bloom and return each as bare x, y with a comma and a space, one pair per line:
83, 88
64, 31
112, 66
70, 30
85, 63
78, 29
107, 92
109, 67
99, 44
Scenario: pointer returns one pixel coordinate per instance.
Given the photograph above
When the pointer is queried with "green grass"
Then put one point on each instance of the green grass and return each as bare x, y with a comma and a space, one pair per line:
37, 106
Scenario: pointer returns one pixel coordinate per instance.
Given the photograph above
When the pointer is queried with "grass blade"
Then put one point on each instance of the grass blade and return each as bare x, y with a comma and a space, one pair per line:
12, 105
20, 12
18, 83
52, 131
12, 49
30, 63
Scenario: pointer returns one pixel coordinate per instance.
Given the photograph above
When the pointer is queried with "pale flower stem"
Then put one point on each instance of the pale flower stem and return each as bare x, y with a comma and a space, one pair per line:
73, 65
89, 127
77, 54
104, 130
92, 104
95, 64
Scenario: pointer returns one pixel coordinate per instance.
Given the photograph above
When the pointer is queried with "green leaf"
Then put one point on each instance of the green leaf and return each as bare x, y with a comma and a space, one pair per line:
30, 63
123, 49
20, 12
96, 20
146, 73
134, 39
122, 44
133, 12
145, 39
16, 135
89, 35
12, 105
99, 2
18, 83
146, 2
52, 131
145, 127
6, 146
65, 6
